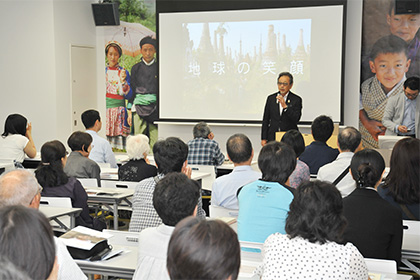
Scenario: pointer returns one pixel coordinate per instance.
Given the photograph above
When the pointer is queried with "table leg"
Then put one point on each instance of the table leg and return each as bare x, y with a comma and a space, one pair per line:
411, 266
72, 221
115, 215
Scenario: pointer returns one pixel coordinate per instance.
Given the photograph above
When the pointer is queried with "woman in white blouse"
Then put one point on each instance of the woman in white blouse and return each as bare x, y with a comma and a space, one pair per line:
16, 140
311, 248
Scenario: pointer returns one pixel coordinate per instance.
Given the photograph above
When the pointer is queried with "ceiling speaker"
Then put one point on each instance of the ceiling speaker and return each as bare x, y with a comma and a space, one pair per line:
106, 14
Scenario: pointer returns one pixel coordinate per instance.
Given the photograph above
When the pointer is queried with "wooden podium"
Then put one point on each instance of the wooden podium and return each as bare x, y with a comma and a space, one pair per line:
332, 142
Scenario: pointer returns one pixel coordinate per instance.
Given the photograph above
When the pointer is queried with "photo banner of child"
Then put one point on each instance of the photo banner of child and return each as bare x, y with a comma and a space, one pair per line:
383, 68
389, 61
380, 19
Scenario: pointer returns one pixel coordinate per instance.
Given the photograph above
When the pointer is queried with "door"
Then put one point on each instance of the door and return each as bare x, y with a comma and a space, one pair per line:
83, 83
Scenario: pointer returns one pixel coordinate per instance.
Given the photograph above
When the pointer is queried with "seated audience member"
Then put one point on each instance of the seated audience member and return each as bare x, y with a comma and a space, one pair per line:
311, 248
318, 153
170, 156
337, 172
240, 152
402, 185
203, 149
101, 149
175, 198
78, 164
301, 173
203, 249
138, 167
400, 117
374, 225
16, 140
27, 240
263, 204
19, 187
56, 183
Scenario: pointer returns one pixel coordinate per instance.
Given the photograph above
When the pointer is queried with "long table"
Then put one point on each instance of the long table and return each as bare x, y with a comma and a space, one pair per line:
125, 265
54, 213
110, 198
122, 266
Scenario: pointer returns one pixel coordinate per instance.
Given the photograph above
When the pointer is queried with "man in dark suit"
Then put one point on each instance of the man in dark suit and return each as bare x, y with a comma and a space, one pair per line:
282, 111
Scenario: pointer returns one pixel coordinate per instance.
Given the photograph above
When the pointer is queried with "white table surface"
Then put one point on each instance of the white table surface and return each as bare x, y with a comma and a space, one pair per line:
123, 265
112, 196
54, 213
112, 174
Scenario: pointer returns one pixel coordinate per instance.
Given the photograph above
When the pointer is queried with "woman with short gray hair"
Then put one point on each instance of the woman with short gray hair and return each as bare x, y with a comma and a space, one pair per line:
138, 167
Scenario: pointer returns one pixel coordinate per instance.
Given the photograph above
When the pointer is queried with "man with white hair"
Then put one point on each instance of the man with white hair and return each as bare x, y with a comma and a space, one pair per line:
19, 187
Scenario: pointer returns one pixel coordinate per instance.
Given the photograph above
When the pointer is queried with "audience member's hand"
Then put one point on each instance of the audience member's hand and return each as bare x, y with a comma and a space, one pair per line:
375, 128
29, 129
263, 142
187, 171
402, 129
123, 75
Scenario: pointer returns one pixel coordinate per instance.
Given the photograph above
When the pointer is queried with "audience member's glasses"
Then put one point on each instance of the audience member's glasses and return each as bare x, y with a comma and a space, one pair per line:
283, 84
38, 192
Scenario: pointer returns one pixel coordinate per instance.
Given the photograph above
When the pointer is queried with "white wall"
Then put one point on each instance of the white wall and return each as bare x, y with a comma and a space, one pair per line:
27, 67
73, 25
35, 61
351, 91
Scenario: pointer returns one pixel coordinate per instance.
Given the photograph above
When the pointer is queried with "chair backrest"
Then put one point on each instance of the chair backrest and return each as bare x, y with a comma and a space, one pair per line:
6, 165
56, 201
64, 202
118, 184
124, 238
104, 165
253, 245
251, 250
206, 182
382, 266
88, 182
219, 211
411, 227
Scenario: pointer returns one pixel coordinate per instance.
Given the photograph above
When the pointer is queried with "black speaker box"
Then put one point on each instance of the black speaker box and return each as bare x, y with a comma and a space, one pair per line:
106, 14
407, 7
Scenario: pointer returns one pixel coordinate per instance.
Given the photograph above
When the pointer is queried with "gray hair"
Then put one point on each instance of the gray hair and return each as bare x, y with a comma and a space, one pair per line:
137, 145
349, 139
201, 130
18, 187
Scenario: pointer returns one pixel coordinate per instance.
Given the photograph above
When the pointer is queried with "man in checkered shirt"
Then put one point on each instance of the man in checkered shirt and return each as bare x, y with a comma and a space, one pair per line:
170, 156
203, 150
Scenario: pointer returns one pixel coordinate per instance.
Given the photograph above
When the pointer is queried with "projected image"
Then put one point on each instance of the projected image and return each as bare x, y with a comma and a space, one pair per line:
242, 59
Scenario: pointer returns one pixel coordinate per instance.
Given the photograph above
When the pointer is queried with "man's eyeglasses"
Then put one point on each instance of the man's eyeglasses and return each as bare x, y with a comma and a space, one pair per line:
283, 84
38, 192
